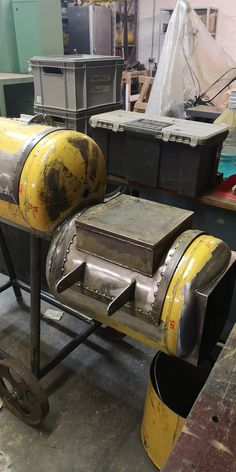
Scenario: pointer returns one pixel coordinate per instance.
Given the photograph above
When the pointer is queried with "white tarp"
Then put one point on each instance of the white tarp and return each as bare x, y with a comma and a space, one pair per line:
190, 62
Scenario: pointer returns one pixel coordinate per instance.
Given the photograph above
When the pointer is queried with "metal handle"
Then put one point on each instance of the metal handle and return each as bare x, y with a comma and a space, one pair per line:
71, 278
127, 295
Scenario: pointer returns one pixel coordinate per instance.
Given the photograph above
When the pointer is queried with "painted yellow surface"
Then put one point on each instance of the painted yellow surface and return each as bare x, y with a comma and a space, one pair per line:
194, 260
12, 214
15, 133
160, 428
123, 327
63, 172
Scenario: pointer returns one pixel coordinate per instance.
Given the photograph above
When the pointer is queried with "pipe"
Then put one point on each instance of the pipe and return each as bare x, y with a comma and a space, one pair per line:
153, 26
126, 54
35, 280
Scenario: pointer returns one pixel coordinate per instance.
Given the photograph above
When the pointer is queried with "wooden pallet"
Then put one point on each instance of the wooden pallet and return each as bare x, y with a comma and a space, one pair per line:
146, 87
127, 78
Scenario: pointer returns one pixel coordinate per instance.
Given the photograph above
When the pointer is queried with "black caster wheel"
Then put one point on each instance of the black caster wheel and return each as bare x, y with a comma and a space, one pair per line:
21, 392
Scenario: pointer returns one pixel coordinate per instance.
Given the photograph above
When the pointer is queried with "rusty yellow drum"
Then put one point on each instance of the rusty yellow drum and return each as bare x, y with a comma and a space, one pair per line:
170, 310
46, 174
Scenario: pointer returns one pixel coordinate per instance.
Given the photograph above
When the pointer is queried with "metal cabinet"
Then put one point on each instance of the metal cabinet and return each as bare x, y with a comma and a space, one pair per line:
8, 51
90, 29
207, 15
38, 27
16, 94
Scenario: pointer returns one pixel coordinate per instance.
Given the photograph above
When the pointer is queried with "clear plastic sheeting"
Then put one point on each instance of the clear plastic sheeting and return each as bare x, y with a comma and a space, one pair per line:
190, 62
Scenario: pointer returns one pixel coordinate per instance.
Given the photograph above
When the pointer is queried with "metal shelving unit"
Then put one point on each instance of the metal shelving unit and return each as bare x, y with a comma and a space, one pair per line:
125, 18
124, 27
207, 15
209, 18
65, 27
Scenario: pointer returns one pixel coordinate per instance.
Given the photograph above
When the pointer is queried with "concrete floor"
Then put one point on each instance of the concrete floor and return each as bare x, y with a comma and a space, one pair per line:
96, 401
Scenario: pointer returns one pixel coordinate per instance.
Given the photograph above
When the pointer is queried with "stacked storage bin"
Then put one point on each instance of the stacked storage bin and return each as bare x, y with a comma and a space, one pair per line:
73, 88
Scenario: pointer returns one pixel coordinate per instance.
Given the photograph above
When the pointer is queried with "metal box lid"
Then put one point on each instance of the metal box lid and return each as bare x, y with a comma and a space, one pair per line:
131, 232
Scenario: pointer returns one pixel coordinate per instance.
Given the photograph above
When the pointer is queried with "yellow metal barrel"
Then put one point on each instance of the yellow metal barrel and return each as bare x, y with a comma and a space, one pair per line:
201, 264
172, 390
189, 325
46, 173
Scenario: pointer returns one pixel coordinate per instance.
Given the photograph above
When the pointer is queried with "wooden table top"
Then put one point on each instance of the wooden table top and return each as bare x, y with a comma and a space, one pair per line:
207, 199
220, 202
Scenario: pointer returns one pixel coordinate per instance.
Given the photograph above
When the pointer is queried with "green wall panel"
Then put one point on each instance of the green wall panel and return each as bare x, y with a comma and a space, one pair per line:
38, 27
8, 48
27, 34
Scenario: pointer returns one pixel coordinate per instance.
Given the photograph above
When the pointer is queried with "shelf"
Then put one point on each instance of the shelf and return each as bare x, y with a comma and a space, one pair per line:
119, 28
128, 16
122, 45
208, 16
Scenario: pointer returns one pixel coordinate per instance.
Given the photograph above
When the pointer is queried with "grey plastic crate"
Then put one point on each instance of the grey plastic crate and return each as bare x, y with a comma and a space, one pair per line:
78, 121
77, 82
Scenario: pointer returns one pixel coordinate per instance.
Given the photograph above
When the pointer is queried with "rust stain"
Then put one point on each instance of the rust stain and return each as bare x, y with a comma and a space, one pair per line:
89, 153
33, 208
54, 194
81, 144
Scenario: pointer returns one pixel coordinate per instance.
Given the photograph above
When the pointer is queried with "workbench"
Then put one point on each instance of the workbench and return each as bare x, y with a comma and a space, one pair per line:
207, 113
207, 441
16, 94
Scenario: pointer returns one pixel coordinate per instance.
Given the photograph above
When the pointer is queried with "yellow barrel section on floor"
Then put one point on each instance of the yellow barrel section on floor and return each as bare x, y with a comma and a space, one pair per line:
160, 428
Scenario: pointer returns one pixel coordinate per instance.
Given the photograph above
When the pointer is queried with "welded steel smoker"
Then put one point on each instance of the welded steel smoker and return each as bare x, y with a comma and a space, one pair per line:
120, 261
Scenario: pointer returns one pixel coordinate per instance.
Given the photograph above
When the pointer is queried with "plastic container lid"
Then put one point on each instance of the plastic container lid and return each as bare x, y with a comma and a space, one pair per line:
161, 127
76, 58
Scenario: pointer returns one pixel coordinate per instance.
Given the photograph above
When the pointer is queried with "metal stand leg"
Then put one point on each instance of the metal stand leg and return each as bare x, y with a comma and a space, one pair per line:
24, 396
35, 310
10, 266
35, 305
